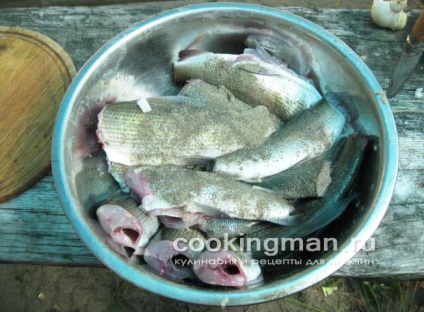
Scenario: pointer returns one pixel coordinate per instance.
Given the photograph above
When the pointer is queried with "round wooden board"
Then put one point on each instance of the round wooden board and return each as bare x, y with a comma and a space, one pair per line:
35, 73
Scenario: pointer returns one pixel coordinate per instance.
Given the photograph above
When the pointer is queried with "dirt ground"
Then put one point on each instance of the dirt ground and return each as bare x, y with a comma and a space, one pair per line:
49, 288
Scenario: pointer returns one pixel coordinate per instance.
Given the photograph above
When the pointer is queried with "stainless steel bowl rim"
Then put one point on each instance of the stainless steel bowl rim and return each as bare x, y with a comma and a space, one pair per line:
268, 291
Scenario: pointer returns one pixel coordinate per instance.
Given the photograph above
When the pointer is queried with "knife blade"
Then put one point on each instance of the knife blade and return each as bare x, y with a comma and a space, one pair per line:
414, 48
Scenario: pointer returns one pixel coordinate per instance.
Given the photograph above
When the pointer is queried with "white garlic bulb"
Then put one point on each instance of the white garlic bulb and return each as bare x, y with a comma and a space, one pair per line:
389, 14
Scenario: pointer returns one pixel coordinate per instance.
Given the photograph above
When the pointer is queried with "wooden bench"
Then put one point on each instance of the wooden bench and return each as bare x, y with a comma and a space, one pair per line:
33, 228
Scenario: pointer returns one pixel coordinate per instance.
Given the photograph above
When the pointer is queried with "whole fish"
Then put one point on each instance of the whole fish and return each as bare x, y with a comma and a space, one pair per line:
251, 80
302, 138
126, 223
187, 135
162, 255
173, 191
233, 268
316, 214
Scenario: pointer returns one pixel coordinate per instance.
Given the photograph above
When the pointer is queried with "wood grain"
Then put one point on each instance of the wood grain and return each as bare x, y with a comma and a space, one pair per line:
418, 28
34, 75
34, 229
357, 4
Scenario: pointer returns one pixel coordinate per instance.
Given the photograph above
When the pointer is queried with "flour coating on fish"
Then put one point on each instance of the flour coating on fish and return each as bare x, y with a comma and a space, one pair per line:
172, 191
215, 97
184, 136
305, 137
230, 227
251, 80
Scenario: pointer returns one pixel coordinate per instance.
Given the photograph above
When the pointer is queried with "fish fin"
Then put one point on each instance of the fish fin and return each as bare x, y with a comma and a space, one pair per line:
344, 203
207, 210
264, 189
253, 180
250, 51
173, 222
287, 221
265, 56
345, 103
171, 212
254, 68
248, 57
332, 214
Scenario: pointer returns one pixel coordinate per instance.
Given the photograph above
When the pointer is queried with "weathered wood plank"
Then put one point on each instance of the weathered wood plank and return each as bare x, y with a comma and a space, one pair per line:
33, 227
358, 4
399, 249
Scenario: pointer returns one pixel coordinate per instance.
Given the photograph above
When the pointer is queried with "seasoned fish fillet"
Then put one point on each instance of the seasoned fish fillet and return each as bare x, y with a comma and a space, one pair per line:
183, 136
175, 191
305, 137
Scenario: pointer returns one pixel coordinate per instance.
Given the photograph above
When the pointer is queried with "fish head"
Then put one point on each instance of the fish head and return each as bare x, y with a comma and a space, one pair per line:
226, 268
132, 254
122, 226
168, 261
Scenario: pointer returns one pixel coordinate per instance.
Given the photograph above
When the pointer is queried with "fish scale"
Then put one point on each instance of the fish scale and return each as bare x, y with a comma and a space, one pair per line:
173, 234
204, 192
316, 214
254, 82
185, 136
232, 227
305, 137
307, 179
130, 204
218, 97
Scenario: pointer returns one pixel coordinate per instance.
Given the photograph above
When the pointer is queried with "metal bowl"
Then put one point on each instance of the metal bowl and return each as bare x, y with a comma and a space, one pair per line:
138, 62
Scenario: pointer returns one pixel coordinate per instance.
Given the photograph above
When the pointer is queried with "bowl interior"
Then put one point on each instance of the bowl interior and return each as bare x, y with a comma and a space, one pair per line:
138, 63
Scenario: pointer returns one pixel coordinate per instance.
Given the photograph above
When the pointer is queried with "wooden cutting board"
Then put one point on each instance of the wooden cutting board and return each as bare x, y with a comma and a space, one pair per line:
34, 75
